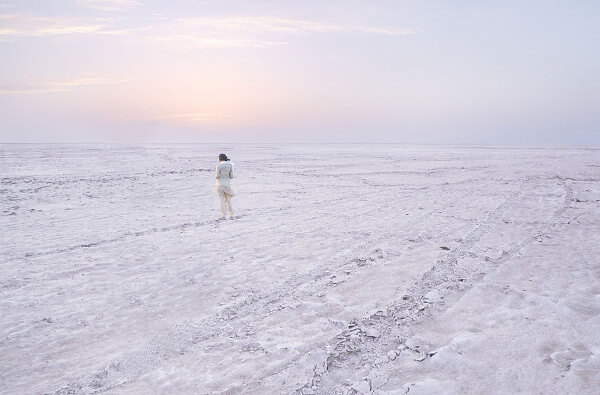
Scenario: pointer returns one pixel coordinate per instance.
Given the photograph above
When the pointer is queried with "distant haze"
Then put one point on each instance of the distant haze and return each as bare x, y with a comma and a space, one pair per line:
447, 72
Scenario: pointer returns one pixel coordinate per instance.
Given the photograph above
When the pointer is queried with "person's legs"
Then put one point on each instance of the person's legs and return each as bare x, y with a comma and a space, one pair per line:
222, 202
228, 200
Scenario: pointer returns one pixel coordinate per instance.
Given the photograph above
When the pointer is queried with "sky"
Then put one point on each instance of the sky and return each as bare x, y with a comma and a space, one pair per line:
403, 71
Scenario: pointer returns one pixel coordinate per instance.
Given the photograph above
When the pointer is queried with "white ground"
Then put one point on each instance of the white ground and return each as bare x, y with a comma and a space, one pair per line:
116, 277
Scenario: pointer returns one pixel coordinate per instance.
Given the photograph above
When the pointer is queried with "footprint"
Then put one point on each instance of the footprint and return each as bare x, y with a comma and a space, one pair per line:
566, 358
590, 363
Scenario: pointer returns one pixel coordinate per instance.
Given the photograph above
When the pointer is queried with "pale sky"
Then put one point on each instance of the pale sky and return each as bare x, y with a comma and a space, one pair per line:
414, 71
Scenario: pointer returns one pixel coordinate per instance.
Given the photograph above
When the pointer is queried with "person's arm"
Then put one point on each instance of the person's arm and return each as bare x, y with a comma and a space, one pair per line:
217, 172
231, 171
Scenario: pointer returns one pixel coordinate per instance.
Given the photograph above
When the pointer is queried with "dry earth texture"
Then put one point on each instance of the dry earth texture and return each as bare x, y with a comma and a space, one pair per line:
348, 269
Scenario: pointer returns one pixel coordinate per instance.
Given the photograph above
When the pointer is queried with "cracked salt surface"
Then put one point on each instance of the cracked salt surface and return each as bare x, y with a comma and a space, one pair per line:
117, 277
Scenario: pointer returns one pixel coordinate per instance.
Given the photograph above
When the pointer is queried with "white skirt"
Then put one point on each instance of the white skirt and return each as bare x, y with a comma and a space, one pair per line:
225, 188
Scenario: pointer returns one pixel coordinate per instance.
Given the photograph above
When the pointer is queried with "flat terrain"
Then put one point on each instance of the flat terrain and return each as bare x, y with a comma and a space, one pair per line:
348, 268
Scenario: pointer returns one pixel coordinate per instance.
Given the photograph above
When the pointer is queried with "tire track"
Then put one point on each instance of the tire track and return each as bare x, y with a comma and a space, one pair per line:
178, 227
446, 279
251, 307
198, 224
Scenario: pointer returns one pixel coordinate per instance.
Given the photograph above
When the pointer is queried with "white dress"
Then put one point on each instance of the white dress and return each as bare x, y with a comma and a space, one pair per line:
223, 174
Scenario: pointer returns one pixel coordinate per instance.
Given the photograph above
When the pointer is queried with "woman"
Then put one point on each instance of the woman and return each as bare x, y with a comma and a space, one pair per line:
224, 173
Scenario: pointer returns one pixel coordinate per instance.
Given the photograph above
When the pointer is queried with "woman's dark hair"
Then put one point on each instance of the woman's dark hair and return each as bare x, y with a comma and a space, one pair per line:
223, 157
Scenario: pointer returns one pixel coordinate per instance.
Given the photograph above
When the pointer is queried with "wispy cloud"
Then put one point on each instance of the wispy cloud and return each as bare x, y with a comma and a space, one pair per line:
265, 24
253, 32
17, 87
110, 5
19, 25
195, 117
201, 41
192, 32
